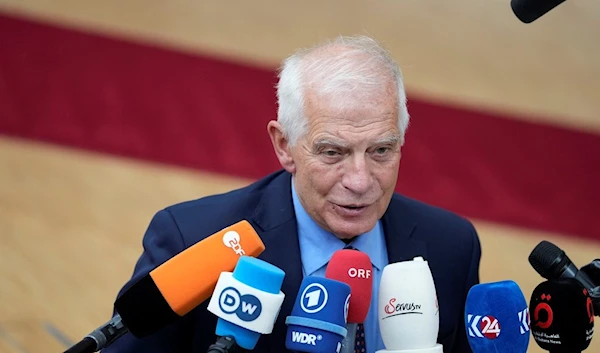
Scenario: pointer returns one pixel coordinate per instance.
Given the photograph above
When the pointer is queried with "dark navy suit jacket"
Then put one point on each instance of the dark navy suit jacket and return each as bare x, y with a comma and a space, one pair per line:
412, 228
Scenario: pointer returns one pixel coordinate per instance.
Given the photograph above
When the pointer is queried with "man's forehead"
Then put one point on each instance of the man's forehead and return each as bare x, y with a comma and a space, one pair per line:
383, 118
330, 139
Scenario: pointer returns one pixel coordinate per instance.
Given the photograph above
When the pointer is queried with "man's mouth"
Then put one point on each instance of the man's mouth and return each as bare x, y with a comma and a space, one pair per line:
353, 207
351, 210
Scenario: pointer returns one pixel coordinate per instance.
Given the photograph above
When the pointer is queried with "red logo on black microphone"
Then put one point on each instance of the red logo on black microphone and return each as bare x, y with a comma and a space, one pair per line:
543, 308
590, 306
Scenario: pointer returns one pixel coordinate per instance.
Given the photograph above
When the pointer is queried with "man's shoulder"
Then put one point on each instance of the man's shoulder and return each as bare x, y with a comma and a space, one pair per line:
434, 221
201, 217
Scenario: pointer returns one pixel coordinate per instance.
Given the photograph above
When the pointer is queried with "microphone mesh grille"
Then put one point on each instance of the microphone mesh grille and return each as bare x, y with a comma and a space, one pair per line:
543, 257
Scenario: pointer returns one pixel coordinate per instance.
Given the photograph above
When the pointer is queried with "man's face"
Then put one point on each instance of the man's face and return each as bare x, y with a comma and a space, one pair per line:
346, 166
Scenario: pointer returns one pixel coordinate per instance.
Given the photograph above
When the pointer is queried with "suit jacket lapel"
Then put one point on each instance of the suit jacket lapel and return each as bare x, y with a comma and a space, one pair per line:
399, 228
277, 227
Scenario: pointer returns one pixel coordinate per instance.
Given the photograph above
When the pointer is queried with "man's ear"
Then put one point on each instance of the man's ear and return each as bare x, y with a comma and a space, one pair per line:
281, 146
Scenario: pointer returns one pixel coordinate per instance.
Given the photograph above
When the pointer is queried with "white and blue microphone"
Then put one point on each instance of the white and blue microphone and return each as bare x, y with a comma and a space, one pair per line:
317, 323
247, 302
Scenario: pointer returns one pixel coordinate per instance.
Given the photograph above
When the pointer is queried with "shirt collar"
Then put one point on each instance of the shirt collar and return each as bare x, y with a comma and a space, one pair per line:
317, 245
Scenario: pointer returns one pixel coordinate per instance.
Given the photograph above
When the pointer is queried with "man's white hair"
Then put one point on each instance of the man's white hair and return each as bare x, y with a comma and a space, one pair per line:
334, 69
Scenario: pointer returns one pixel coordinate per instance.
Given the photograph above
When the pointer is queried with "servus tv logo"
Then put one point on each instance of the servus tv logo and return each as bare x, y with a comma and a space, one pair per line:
393, 309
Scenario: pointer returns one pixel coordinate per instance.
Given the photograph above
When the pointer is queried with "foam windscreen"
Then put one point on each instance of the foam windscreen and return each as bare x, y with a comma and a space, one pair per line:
407, 307
497, 318
247, 301
354, 268
317, 323
186, 280
562, 316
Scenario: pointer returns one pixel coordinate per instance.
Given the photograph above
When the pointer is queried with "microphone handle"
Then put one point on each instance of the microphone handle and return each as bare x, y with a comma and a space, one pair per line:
225, 344
101, 337
86, 345
349, 341
592, 272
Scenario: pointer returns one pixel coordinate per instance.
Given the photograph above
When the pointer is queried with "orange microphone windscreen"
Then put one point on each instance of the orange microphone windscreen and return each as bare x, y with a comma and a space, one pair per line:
189, 278
186, 280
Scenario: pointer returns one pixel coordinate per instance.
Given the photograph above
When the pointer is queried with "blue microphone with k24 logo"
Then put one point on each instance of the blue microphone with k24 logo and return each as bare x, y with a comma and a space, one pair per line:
497, 318
247, 302
317, 323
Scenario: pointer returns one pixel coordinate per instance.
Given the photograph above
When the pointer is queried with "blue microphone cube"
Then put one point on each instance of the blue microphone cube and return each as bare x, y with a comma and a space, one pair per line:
318, 320
497, 318
262, 277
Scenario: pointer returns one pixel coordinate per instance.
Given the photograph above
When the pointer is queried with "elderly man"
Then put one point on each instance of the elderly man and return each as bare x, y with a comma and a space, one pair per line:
338, 136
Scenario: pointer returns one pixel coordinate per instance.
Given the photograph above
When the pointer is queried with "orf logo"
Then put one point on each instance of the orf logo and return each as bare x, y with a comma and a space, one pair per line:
246, 307
483, 326
313, 298
542, 314
231, 239
358, 272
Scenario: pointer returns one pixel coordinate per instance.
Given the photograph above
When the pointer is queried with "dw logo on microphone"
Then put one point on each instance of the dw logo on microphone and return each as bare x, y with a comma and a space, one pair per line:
314, 298
246, 307
483, 326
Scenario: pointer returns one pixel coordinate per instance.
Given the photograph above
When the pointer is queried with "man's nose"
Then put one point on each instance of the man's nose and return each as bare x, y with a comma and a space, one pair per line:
357, 176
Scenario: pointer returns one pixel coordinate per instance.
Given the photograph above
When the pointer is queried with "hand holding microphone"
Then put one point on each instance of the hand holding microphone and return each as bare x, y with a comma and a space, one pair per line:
408, 308
247, 302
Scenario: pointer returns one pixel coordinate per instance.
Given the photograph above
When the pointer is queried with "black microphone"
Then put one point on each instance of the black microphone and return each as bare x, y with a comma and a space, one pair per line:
592, 270
562, 316
530, 10
551, 262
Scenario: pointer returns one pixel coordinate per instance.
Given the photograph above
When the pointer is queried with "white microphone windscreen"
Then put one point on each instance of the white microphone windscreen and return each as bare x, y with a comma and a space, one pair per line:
408, 308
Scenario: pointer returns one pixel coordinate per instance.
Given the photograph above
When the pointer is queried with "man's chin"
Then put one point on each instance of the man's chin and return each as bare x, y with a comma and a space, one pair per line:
347, 230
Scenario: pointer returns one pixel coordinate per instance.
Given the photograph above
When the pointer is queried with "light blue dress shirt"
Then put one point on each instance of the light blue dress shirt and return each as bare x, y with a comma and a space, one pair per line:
316, 248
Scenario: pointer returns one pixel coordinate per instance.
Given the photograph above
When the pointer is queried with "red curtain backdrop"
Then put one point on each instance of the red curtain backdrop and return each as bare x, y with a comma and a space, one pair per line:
99, 93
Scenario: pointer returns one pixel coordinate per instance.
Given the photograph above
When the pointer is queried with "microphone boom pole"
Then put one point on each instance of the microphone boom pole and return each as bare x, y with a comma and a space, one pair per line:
101, 337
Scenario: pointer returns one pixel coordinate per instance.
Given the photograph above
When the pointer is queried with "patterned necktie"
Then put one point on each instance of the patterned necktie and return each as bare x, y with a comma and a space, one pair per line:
359, 345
